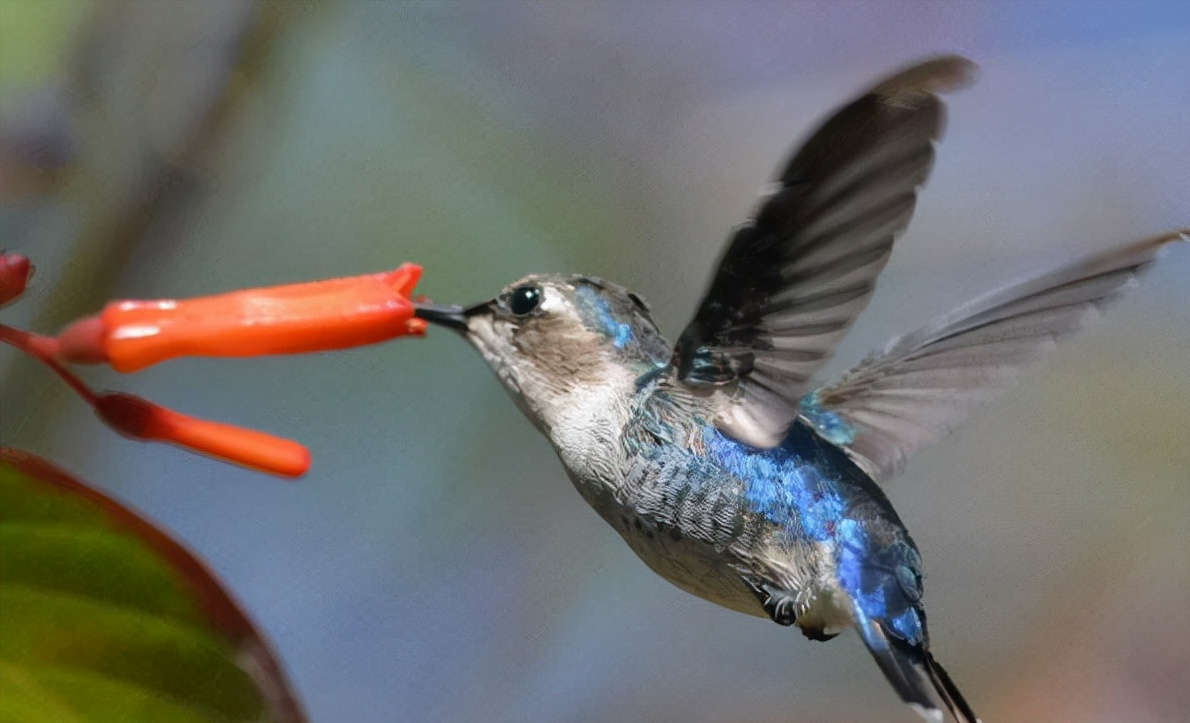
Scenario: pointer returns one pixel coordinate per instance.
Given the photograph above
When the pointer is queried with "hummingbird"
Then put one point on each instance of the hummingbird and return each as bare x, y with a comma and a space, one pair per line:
717, 459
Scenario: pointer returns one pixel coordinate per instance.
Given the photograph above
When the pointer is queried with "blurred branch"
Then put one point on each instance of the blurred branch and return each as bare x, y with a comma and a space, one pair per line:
151, 89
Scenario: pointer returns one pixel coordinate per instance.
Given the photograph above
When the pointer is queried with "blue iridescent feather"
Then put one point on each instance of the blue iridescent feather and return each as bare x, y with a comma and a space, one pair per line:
810, 489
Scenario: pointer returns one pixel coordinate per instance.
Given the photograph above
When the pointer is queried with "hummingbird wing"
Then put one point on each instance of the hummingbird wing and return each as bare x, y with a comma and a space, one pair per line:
923, 385
794, 278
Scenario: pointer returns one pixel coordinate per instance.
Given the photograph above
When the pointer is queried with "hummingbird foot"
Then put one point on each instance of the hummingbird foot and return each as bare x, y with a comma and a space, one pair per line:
780, 605
782, 608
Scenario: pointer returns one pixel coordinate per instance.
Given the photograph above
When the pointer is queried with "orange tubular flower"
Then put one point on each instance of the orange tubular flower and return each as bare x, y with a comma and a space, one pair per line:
140, 419
291, 319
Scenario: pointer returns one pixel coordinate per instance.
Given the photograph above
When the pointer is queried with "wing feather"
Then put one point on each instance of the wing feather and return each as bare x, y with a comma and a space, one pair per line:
924, 384
792, 281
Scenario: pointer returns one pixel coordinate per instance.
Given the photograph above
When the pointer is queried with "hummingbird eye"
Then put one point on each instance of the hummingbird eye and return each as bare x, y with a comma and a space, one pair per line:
524, 299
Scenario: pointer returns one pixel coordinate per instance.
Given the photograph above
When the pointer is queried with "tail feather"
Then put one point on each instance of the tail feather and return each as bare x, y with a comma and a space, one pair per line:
913, 672
947, 690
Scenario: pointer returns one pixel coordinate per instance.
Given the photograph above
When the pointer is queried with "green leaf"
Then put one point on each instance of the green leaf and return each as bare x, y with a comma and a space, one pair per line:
104, 617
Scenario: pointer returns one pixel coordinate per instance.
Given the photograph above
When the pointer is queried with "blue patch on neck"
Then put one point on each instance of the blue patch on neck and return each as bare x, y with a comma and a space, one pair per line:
604, 320
623, 335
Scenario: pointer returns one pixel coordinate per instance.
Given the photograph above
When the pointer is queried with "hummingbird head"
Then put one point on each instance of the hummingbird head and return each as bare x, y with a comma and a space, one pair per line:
553, 339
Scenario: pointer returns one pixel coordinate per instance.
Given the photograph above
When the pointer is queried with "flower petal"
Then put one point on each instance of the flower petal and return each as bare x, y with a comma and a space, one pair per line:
141, 419
291, 319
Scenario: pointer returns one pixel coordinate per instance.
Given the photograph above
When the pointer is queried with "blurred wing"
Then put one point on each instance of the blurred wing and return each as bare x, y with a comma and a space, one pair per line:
924, 384
793, 280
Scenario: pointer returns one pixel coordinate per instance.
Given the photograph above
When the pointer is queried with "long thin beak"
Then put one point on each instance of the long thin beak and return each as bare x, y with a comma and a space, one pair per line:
448, 315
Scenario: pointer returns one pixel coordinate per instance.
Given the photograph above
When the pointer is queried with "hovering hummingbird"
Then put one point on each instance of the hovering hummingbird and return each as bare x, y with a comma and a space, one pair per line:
716, 460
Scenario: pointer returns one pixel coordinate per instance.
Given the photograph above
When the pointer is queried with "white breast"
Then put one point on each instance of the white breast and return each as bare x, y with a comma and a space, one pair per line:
585, 428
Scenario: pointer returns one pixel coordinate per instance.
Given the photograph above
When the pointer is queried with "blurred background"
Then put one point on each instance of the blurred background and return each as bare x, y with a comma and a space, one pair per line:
436, 564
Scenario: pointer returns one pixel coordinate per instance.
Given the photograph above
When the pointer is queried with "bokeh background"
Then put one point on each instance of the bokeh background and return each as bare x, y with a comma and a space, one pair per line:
436, 565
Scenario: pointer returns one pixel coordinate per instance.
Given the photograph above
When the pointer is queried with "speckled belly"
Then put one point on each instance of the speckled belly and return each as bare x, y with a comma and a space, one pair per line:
694, 566
687, 520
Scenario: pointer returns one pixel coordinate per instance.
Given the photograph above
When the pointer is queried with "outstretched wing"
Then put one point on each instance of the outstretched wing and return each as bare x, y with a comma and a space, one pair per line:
793, 279
924, 384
